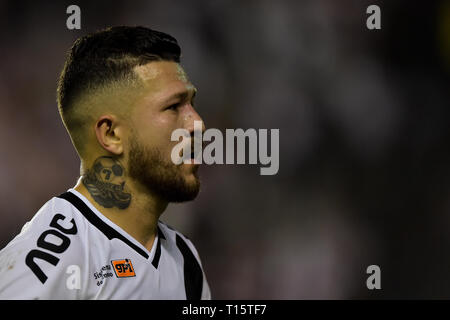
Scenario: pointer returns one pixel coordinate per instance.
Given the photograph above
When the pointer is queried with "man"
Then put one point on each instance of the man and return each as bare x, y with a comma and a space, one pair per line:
120, 95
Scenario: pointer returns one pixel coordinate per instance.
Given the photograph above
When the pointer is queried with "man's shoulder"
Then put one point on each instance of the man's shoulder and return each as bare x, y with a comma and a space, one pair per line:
56, 217
55, 226
41, 252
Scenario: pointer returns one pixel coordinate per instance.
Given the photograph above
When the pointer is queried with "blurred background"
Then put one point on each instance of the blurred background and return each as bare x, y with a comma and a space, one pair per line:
363, 116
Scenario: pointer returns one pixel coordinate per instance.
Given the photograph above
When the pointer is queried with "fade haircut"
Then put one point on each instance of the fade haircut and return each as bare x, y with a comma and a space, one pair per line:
101, 59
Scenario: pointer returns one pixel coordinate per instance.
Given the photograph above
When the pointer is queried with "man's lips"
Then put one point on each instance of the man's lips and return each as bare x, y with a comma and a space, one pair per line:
194, 157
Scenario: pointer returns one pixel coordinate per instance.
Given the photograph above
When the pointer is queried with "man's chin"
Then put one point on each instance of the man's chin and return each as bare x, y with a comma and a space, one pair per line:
189, 172
185, 187
190, 166
188, 193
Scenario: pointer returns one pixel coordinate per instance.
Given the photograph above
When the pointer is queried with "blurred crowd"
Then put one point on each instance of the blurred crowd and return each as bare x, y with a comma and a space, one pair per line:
363, 115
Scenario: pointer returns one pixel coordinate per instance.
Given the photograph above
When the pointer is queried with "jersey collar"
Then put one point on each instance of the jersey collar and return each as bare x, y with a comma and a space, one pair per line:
76, 199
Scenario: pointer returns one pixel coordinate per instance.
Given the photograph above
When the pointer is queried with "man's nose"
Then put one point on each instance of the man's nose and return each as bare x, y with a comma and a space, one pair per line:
189, 120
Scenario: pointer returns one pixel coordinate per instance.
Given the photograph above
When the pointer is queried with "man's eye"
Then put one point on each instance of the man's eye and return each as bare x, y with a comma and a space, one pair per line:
173, 106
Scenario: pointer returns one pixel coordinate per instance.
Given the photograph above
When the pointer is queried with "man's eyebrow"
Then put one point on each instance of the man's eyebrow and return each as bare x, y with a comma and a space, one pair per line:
182, 94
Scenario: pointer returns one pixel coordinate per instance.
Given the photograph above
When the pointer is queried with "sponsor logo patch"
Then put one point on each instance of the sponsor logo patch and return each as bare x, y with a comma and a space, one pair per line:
123, 268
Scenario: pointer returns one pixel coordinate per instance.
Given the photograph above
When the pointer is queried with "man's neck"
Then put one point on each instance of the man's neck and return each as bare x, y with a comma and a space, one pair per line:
139, 219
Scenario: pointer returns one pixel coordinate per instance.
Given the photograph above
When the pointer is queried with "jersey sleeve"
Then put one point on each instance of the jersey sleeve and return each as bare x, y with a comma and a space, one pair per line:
45, 261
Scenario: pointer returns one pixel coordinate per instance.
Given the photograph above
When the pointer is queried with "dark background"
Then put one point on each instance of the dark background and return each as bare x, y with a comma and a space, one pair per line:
364, 137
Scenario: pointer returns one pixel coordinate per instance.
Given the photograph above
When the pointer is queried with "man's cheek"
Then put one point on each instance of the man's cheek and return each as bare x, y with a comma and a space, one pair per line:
158, 140
159, 128
166, 150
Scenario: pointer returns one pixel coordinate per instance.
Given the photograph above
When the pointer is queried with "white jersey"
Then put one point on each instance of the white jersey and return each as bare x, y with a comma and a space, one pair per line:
69, 250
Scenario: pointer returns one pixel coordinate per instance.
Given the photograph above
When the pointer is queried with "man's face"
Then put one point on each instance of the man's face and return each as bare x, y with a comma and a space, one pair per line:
166, 104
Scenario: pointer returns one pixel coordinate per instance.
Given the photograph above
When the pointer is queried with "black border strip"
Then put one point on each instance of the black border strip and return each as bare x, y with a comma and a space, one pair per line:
155, 261
107, 230
193, 275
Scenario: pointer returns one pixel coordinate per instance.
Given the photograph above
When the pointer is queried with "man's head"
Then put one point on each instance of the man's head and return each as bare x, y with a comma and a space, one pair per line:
120, 95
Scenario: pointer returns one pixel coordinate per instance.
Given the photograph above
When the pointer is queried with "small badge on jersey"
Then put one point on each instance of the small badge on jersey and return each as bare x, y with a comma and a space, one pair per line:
123, 268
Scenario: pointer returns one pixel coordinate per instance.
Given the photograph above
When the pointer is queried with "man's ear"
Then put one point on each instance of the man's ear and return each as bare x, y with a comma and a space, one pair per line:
110, 134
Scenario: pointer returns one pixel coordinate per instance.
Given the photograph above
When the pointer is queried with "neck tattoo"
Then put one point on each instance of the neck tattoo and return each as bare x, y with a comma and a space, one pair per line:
105, 181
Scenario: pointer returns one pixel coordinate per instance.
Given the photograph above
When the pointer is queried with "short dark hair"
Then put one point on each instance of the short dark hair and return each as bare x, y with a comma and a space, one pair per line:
109, 55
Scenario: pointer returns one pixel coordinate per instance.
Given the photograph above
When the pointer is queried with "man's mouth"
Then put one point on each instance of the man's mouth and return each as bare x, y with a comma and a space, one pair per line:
193, 154
192, 157
189, 158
